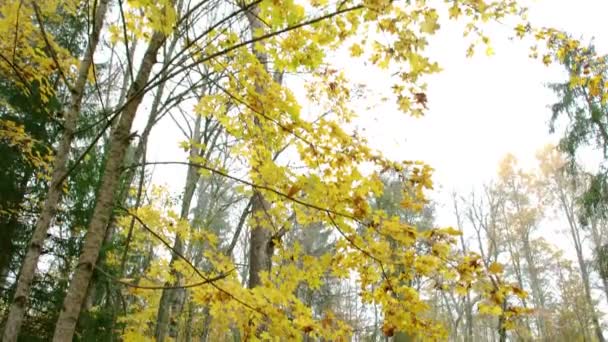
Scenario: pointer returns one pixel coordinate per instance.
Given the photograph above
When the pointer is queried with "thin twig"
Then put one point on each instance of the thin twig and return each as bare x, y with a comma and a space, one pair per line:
255, 186
153, 287
200, 274
52, 51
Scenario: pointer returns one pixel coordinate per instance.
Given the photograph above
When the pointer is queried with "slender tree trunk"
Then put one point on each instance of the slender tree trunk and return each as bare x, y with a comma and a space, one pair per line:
28, 267
468, 310
169, 296
515, 260
502, 330
597, 246
119, 143
578, 246
130, 173
539, 297
155, 111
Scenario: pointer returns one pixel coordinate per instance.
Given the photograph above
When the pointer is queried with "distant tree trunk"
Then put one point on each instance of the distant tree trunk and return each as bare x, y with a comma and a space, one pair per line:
597, 246
516, 261
538, 294
468, 310
169, 296
49, 209
578, 246
119, 142
502, 330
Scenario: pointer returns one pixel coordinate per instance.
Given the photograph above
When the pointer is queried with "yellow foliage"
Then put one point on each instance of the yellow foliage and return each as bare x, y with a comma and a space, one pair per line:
495, 268
264, 117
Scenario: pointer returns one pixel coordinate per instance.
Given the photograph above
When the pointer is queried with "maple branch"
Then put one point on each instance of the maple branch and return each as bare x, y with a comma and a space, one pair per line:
239, 228
124, 33
153, 287
159, 79
17, 72
253, 185
196, 270
52, 51
17, 30
260, 113
283, 230
155, 80
368, 254
160, 238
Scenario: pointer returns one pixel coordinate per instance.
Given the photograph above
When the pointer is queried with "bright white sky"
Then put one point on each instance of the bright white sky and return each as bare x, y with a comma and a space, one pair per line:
482, 108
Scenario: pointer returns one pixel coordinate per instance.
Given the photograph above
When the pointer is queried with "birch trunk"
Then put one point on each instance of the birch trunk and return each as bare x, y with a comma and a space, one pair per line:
119, 142
30, 262
539, 298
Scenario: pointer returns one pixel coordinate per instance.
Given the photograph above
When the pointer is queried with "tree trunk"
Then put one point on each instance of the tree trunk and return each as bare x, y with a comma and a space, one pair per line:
169, 296
119, 143
28, 266
597, 247
538, 295
261, 246
155, 111
130, 173
578, 246
516, 263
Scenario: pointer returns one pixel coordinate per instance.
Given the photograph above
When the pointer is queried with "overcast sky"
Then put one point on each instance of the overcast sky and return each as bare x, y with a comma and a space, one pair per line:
483, 107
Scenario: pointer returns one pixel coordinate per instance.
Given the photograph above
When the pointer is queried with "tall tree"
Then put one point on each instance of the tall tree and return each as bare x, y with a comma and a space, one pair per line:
119, 142
565, 190
581, 106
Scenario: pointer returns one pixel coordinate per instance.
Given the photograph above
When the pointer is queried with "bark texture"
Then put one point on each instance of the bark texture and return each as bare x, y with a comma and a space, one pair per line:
261, 246
119, 142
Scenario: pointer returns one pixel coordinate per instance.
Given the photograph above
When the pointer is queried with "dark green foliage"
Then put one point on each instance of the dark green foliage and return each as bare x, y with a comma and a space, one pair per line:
585, 126
601, 259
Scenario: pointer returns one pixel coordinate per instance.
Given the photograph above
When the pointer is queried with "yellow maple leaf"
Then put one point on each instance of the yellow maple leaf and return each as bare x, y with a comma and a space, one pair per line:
356, 50
429, 25
486, 309
495, 268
